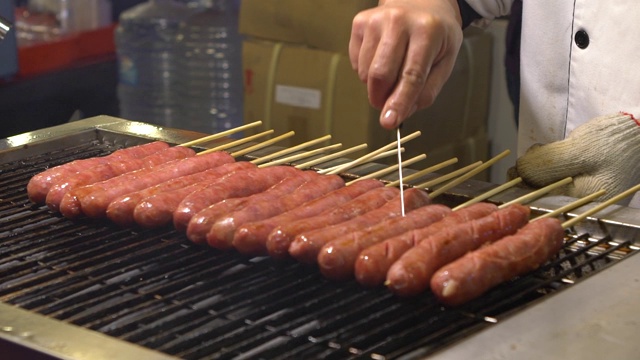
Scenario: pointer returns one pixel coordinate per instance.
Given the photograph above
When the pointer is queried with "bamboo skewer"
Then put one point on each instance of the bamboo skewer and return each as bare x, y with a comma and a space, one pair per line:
613, 200
521, 200
489, 193
536, 194
290, 150
263, 144
426, 171
295, 157
448, 176
332, 156
221, 134
368, 157
377, 157
236, 142
573, 205
390, 169
470, 174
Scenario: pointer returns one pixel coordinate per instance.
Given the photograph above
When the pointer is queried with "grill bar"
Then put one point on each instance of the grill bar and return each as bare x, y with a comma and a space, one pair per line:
155, 289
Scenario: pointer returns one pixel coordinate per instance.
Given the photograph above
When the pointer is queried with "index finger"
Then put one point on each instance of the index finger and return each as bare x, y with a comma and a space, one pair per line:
411, 81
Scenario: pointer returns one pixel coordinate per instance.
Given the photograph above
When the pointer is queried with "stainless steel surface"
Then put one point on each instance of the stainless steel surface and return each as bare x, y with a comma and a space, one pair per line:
599, 310
64, 341
595, 319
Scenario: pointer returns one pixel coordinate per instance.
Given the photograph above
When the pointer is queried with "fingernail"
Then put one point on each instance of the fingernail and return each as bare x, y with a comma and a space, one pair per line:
390, 118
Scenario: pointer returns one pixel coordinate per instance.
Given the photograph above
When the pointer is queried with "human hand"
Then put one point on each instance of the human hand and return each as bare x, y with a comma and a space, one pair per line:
405, 50
602, 154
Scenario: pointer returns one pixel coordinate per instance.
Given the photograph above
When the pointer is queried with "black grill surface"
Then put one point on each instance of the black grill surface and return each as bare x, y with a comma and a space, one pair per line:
158, 290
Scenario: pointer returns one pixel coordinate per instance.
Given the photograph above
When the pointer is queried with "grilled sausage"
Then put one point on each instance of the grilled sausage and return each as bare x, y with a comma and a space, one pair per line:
373, 263
158, 210
306, 246
120, 210
410, 275
475, 273
337, 258
244, 184
201, 223
223, 232
39, 185
112, 169
281, 237
252, 237
93, 200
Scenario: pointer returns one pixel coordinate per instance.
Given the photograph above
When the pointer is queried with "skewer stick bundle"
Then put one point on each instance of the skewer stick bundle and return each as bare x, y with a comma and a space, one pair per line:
304, 155
423, 172
221, 134
470, 174
449, 176
377, 157
290, 150
368, 157
332, 156
569, 223
390, 169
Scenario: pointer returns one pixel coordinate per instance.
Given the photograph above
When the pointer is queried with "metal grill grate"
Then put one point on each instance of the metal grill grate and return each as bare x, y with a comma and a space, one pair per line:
156, 289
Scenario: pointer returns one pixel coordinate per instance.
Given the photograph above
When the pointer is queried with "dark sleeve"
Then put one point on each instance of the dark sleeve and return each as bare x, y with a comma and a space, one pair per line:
468, 14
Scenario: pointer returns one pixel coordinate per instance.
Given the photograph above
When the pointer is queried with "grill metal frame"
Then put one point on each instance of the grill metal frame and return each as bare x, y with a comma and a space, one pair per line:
607, 231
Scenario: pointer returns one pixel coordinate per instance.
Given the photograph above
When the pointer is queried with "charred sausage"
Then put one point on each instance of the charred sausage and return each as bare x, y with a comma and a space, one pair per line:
222, 233
373, 263
410, 275
203, 220
337, 258
93, 200
112, 169
39, 185
475, 273
252, 237
239, 185
120, 210
281, 237
306, 246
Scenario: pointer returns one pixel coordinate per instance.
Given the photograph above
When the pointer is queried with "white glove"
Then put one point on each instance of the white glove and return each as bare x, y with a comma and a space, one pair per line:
603, 153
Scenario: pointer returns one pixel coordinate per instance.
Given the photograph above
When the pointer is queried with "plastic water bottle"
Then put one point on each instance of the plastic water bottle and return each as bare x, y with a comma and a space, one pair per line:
147, 59
211, 68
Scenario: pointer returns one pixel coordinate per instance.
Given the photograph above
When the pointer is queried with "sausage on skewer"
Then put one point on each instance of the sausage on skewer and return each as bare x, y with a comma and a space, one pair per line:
307, 245
93, 200
39, 185
120, 210
477, 271
281, 237
222, 233
337, 258
370, 269
410, 275
252, 238
112, 169
238, 185
534, 244
203, 220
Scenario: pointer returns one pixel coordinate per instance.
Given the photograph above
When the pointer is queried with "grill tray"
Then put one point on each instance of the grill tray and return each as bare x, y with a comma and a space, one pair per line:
158, 291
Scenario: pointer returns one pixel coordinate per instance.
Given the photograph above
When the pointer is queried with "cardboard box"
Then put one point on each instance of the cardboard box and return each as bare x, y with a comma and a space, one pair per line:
311, 92
315, 92
320, 24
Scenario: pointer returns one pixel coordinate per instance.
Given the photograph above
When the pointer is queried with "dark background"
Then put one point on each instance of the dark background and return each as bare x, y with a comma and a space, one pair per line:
52, 98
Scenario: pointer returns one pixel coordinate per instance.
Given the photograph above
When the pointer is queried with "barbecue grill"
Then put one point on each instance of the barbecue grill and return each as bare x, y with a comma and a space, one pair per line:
90, 290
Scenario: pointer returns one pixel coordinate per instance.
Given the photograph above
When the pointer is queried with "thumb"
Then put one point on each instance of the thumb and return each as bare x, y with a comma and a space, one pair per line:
542, 165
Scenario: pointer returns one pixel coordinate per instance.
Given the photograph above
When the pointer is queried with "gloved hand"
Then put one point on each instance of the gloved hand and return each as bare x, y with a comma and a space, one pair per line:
603, 153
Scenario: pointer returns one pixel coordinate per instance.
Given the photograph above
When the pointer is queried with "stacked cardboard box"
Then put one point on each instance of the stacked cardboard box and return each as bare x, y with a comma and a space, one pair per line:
298, 77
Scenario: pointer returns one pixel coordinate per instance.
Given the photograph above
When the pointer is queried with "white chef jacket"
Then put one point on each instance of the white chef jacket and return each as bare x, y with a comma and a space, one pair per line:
563, 84
579, 59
